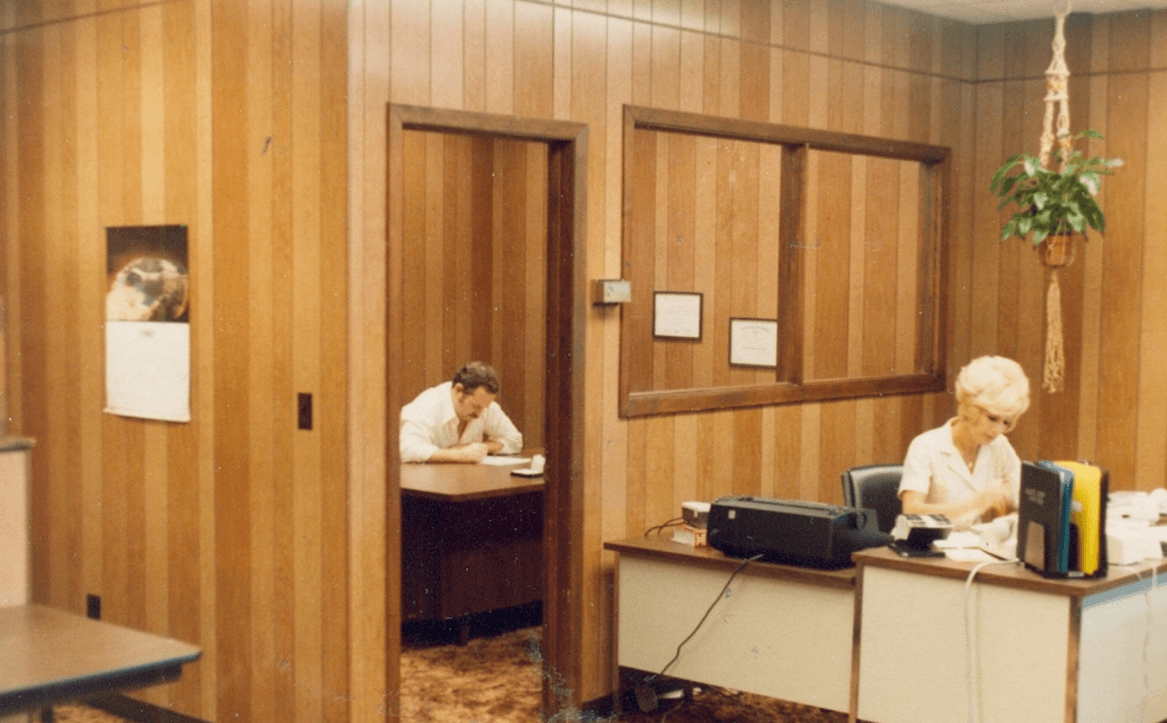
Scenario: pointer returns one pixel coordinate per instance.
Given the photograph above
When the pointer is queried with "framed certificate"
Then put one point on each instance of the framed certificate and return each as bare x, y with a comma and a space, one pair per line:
753, 342
676, 315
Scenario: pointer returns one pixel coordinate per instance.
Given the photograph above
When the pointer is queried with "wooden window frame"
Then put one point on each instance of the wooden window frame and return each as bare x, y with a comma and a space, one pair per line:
789, 386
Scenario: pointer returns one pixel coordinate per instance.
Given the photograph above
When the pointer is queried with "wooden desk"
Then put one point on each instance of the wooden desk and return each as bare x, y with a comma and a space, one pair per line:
48, 656
782, 631
472, 539
1043, 650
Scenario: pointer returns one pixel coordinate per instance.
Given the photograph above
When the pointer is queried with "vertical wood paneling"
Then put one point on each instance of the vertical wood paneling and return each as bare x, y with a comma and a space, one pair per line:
233, 501
150, 113
832, 258
262, 175
253, 514
679, 243
156, 445
54, 303
475, 260
1106, 407
1122, 263
284, 234
1151, 459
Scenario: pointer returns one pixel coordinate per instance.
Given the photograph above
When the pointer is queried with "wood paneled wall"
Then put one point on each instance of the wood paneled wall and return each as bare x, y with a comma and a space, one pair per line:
475, 267
250, 121
705, 220
230, 531
847, 66
1112, 408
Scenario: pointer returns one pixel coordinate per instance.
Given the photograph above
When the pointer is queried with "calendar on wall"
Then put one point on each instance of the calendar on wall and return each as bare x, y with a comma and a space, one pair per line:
147, 323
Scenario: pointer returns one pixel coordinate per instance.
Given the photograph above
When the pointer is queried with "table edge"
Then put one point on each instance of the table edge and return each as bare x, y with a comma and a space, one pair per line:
663, 548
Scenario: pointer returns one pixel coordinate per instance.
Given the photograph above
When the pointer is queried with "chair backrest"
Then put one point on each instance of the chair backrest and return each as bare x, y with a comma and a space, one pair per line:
875, 487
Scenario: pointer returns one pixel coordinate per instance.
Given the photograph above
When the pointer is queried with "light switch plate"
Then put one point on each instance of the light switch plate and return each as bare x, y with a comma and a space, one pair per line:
612, 291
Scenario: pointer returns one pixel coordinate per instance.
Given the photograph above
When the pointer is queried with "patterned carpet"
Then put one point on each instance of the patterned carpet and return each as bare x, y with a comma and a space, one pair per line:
496, 678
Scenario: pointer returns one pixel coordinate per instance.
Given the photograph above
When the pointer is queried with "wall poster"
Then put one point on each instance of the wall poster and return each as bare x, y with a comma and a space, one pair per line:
147, 323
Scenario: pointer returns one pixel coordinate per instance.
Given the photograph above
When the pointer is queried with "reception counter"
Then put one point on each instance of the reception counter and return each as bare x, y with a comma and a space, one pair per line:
885, 640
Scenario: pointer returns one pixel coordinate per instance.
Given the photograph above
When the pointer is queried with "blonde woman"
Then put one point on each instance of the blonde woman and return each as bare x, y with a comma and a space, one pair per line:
966, 469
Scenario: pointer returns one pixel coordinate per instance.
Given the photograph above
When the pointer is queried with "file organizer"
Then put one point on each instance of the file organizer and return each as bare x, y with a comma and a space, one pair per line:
1061, 519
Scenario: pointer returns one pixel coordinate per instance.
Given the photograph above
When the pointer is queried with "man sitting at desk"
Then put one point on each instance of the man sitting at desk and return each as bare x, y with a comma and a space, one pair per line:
458, 421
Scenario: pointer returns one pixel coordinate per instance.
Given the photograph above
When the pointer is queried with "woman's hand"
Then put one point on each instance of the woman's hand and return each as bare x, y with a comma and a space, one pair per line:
995, 500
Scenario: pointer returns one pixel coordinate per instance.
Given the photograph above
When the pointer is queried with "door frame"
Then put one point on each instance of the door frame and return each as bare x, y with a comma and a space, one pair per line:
564, 408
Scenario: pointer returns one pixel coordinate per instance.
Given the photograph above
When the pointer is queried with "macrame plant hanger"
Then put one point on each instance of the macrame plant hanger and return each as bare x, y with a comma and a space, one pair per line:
1057, 86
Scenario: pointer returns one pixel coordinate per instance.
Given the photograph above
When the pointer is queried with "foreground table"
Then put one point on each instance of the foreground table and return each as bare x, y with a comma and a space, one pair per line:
780, 631
472, 539
48, 656
1091, 651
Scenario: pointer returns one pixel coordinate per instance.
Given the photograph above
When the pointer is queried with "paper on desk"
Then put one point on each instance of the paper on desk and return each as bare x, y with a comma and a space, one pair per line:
980, 546
962, 546
955, 539
968, 554
504, 461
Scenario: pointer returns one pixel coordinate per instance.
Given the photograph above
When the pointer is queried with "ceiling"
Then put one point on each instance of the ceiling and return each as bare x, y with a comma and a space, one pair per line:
999, 11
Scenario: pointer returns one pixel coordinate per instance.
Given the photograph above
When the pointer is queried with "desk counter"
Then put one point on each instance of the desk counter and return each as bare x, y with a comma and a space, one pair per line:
49, 656
472, 540
779, 630
464, 482
664, 548
1085, 651
1009, 575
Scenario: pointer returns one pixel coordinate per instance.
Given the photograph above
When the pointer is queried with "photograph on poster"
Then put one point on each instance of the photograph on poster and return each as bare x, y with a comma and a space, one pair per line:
147, 274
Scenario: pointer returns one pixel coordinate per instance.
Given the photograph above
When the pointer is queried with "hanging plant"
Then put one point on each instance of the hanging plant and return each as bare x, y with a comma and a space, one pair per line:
1051, 206
1052, 202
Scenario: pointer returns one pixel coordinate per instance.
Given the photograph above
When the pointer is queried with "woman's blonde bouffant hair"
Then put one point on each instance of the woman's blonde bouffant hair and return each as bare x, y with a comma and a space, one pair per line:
993, 383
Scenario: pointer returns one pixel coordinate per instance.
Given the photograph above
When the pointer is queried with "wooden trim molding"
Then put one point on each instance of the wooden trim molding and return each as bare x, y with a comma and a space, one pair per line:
567, 145
645, 361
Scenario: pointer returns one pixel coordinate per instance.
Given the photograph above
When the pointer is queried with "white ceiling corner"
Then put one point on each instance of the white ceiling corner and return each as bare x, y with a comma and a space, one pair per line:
980, 12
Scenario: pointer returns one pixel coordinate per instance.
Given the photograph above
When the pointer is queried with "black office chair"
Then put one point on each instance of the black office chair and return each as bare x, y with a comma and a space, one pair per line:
875, 487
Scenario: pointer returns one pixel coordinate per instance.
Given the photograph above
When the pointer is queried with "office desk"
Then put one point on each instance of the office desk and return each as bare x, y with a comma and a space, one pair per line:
472, 539
48, 656
781, 631
1043, 650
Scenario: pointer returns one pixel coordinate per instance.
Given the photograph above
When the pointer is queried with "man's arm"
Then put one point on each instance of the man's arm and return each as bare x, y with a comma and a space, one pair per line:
415, 442
466, 453
499, 433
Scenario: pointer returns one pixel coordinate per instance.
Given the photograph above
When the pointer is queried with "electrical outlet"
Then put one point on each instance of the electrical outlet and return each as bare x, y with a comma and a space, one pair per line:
304, 407
93, 606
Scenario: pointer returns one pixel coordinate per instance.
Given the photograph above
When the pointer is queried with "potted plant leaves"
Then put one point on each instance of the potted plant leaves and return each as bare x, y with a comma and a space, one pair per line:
1052, 204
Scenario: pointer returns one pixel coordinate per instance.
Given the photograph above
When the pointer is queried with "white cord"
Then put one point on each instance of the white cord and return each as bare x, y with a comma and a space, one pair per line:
968, 643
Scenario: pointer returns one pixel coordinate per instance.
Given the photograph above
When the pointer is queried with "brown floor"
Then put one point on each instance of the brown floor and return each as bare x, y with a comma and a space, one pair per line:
496, 678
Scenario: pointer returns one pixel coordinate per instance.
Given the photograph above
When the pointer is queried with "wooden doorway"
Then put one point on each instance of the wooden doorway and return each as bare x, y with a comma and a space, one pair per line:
563, 413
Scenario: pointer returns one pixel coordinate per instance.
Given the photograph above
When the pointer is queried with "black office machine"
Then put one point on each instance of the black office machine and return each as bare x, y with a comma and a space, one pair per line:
811, 534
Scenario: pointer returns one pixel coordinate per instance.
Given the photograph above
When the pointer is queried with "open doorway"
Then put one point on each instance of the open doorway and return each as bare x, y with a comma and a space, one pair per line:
560, 420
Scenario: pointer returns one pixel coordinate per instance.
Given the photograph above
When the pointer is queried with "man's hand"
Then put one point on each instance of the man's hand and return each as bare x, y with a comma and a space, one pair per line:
472, 453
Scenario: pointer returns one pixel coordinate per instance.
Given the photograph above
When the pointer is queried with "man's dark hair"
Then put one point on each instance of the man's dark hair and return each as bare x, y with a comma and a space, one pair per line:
477, 374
